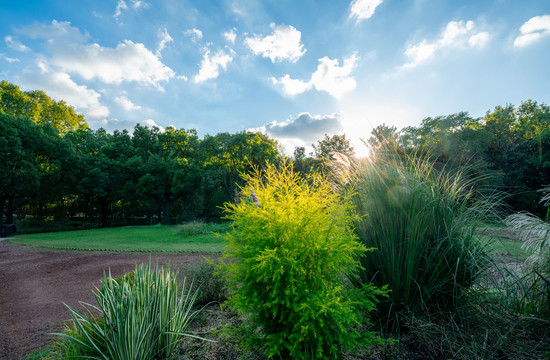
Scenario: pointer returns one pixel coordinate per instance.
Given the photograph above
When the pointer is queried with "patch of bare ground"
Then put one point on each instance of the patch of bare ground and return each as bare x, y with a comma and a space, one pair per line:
35, 284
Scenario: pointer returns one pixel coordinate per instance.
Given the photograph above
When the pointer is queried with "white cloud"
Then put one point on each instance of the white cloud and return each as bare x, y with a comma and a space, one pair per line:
60, 31
211, 64
121, 5
455, 34
195, 34
230, 35
165, 38
126, 104
134, 4
9, 59
292, 86
151, 123
15, 45
127, 62
335, 79
533, 30
363, 9
329, 76
284, 43
479, 39
60, 86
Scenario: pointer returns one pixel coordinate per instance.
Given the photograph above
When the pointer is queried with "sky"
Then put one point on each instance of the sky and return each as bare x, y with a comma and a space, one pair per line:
295, 70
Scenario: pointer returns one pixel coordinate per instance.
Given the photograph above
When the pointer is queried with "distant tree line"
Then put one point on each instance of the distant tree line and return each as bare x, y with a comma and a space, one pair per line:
508, 148
53, 168
57, 169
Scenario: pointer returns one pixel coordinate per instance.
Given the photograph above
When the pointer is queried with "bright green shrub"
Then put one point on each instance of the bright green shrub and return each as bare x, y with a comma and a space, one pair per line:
422, 222
291, 246
141, 317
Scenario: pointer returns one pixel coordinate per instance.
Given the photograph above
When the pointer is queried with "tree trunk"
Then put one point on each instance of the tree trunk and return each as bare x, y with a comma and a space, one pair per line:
10, 210
103, 205
166, 212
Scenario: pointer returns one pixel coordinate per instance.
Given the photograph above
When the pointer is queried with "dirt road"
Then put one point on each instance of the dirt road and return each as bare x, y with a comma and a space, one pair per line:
34, 284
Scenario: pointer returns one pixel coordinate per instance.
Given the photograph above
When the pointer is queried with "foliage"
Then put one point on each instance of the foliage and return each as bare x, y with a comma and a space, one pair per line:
140, 319
422, 223
291, 245
328, 146
210, 284
40, 108
512, 144
30, 155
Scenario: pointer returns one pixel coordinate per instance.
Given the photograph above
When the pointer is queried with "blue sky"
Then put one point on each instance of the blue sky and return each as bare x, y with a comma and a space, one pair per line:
293, 69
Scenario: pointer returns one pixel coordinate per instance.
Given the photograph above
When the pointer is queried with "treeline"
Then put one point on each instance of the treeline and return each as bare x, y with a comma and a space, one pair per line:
120, 178
508, 148
55, 170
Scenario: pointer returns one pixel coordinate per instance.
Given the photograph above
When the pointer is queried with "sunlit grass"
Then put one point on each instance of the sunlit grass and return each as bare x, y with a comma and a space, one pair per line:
135, 238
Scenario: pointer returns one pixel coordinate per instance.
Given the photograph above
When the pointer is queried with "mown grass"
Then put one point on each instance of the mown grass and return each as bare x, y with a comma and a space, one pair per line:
134, 238
504, 247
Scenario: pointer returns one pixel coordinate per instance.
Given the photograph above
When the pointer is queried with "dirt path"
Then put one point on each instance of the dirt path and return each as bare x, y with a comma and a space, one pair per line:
34, 284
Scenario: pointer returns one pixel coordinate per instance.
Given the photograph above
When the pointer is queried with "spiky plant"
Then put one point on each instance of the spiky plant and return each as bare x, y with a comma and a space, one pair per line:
422, 222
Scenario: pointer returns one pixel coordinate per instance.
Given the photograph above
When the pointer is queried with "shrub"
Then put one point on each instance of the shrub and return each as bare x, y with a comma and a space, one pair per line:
210, 284
142, 317
291, 245
200, 228
422, 223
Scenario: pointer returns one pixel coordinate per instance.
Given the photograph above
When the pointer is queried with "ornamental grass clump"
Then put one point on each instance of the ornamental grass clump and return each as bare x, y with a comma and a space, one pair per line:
287, 257
143, 316
422, 223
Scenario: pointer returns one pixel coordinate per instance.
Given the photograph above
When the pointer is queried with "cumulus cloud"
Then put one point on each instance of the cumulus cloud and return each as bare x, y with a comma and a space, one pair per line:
479, 39
305, 127
455, 34
533, 30
60, 86
195, 34
15, 45
126, 104
292, 86
284, 43
165, 38
151, 123
329, 77
129, 61
211, 64
230, 35
363, 9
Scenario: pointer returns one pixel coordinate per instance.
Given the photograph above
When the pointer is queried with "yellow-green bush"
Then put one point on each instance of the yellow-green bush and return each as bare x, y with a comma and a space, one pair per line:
290, 249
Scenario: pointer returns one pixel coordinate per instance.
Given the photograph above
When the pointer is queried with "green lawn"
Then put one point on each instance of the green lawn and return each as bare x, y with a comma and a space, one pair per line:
197, 237
504, 246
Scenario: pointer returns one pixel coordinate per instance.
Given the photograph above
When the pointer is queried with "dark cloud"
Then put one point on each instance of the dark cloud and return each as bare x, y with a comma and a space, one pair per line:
306, 127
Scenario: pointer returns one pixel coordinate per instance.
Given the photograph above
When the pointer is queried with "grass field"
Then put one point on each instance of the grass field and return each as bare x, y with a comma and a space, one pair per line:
189, 237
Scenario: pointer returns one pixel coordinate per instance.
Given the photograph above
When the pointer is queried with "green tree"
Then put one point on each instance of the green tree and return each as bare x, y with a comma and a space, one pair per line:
329, 145
29, 153
40, 108
383, 135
